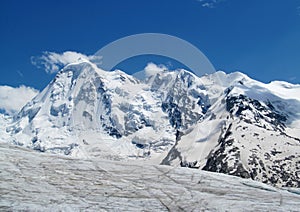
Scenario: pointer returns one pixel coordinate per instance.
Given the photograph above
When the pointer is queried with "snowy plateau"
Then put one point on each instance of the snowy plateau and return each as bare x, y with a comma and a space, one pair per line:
95, 140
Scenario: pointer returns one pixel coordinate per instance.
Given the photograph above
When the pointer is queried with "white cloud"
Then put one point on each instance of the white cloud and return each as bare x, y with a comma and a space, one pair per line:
210, 3
52, 62
150, 70
13, 99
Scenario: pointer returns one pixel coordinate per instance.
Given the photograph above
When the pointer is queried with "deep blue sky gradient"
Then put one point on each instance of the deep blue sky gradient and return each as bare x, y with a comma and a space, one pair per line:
258, 37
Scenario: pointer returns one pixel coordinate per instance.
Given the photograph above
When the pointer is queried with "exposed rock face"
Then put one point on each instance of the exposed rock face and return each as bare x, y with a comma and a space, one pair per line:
219, 160
265, 157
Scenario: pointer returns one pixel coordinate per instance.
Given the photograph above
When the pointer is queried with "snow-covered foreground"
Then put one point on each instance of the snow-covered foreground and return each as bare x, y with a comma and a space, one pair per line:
38, 181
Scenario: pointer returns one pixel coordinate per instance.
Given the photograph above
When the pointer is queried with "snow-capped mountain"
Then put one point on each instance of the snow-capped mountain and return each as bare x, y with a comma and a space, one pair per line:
250, 131
221, 122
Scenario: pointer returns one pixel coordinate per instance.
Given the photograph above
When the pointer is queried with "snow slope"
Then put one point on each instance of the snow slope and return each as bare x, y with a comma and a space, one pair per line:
42, 182
4, 122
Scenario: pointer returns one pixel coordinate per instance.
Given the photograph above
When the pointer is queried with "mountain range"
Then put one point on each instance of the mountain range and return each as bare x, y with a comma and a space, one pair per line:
226, 123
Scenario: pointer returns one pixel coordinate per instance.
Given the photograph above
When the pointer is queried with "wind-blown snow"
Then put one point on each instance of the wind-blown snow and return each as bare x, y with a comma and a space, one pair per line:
52, 62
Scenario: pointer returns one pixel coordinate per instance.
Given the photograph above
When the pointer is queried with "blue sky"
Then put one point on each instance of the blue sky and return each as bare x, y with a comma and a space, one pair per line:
258, 37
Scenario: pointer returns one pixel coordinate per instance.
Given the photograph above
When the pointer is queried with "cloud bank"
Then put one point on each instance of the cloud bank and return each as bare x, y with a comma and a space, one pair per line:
52, 62
13, 99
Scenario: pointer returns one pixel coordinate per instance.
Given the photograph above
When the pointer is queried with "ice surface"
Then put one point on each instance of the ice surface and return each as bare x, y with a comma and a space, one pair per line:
42, 182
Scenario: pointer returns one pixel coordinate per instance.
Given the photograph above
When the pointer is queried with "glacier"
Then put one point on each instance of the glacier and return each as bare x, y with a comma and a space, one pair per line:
32, 181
